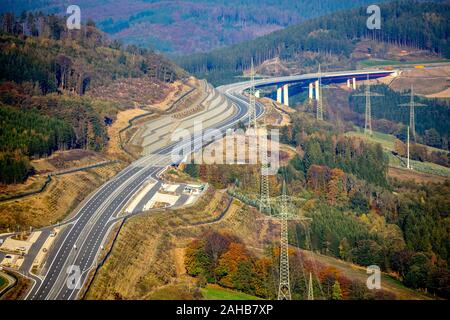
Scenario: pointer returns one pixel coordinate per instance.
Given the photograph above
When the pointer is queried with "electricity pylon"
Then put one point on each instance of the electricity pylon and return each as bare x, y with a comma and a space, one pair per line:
310, 288
368, 113
284, 289
408, 164
412, 117
264, 204
286, 214
252, 98
319, 114
319, 94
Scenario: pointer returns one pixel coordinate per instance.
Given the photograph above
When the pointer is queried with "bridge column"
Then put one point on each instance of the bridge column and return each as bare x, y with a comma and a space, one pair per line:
279, 95
354, 83
317, 90
311, 91
286, 95
258, 94
349, 84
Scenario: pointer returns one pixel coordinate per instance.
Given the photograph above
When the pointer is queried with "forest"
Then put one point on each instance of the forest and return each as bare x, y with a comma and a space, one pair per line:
46, 106
193, 25
336, 34
224, 259
32, 133
359, 213
432, 116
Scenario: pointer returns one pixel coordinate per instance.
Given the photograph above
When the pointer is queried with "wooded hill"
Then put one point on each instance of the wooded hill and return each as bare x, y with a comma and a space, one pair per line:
187, 26
432, 115
404, 23
46, 70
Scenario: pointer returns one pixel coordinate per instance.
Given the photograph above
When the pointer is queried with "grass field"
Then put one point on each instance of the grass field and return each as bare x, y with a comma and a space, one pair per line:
358, 273
374, 63
387, 141
212, 292
425, 167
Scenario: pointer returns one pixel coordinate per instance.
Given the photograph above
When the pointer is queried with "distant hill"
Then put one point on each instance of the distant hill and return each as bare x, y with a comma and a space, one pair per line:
187, 26
334, 40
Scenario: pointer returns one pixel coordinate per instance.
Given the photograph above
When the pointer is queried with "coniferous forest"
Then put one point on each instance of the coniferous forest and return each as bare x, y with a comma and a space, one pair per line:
46, 72
416, 24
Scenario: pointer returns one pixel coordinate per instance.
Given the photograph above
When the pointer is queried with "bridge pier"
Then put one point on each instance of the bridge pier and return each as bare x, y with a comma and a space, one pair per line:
317, 90
286, 95
311, 91
349, 84
279, 96
354, 83
258, 94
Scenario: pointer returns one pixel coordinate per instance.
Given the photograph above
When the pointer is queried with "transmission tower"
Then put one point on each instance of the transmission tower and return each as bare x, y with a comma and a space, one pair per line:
408, 164
368, 113
412, 118
264, 204
310, 288
252, 98
368, 117
284, 290
319, 101
286, 214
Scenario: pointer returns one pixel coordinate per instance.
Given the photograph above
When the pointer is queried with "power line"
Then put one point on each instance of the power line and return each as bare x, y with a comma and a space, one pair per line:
310, 288
252, 98
368, 112
319, 114
412, 104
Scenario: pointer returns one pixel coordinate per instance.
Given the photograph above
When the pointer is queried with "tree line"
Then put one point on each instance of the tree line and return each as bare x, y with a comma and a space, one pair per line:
222, 258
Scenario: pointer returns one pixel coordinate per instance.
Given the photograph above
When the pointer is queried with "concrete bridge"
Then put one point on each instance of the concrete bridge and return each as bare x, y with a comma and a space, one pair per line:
291, 85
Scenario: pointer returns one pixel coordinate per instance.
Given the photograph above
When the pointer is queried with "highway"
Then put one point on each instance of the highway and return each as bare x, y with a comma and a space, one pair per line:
81, 241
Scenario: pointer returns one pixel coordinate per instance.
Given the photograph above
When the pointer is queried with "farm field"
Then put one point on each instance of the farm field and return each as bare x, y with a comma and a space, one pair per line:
212, 292
380, 62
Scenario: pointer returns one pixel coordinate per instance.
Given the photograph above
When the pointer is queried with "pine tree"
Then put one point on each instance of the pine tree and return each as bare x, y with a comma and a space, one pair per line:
337, 292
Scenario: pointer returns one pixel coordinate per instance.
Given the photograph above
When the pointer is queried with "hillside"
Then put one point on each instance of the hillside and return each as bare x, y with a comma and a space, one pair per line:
63, 98
187, 26
157, 253
334, 41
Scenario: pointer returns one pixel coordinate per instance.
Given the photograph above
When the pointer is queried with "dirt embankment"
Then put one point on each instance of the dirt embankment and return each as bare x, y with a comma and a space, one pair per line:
149, 252
61, 195
117, 138
432, 81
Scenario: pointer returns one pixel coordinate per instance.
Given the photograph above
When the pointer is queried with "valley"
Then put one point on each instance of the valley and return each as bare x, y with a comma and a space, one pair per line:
194, 151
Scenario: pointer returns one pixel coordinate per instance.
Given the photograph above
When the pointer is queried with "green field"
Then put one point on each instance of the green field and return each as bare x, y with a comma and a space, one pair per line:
218, 293
374, 63
387, 141
425, 167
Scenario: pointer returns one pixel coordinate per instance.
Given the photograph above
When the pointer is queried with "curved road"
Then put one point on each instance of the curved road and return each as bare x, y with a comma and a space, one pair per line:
81, 241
